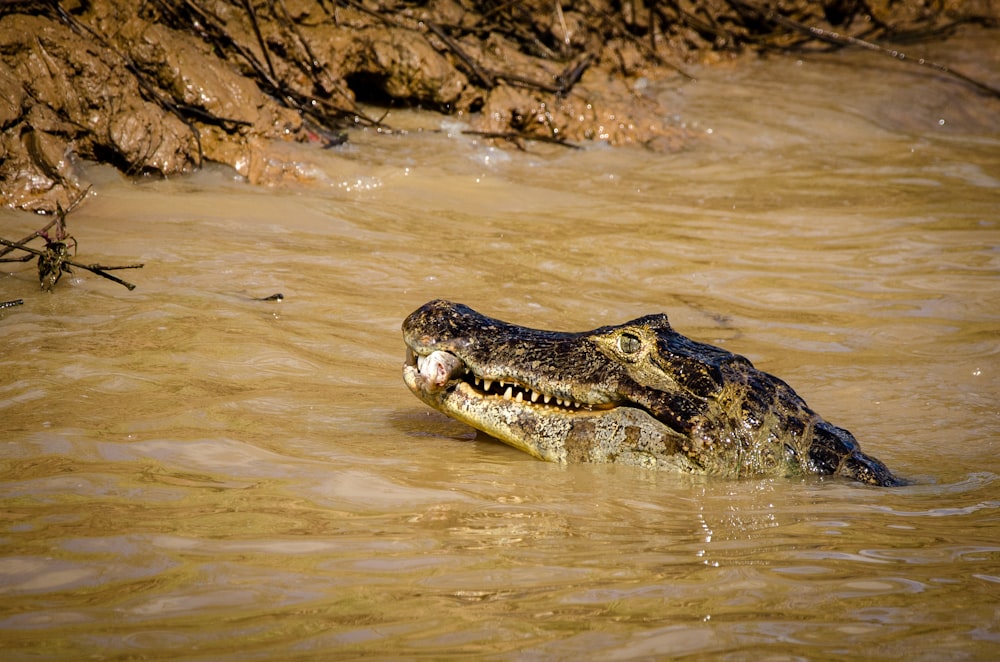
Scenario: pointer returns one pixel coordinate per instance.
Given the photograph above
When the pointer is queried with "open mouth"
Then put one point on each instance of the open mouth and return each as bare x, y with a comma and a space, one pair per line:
441, 370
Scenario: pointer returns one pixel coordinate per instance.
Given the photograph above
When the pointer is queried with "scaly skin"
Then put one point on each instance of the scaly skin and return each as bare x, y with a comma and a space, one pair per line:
638, 393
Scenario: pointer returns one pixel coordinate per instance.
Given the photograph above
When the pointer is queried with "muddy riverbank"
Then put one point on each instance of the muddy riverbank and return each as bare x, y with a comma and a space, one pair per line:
163, 90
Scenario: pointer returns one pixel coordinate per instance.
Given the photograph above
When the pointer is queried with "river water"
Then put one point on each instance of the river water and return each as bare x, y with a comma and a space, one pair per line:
190, 473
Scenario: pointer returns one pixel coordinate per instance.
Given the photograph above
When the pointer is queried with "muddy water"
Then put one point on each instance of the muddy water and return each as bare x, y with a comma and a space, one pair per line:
188, 472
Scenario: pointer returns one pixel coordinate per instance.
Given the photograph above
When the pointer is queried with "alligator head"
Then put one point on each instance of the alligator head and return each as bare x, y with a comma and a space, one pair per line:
637, 393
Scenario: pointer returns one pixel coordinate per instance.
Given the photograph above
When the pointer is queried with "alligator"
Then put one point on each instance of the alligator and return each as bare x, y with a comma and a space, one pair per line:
637, 393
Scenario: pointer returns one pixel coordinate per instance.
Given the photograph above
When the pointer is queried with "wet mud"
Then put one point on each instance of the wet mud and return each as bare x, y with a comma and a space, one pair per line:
159, 88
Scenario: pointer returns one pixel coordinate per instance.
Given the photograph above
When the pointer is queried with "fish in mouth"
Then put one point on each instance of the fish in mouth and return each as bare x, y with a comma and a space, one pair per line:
637, 393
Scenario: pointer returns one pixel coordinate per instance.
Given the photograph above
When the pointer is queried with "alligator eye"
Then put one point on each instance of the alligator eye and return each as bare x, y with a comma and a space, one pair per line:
628, 344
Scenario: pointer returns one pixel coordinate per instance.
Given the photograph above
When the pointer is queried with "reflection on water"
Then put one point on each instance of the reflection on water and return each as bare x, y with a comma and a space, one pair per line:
189, 471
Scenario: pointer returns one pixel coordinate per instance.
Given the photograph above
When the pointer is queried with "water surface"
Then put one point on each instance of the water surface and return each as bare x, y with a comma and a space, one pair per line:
187, 472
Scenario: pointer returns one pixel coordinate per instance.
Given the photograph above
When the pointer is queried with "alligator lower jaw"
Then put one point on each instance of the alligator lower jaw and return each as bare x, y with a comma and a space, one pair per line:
539, 430
542, 430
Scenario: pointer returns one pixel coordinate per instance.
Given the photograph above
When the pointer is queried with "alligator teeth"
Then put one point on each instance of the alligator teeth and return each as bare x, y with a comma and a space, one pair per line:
518, 393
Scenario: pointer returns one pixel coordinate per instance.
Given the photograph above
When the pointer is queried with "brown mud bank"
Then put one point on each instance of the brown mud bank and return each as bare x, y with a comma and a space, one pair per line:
159, 87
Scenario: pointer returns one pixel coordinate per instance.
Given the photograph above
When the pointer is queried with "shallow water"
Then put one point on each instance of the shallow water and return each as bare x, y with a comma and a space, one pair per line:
190, 473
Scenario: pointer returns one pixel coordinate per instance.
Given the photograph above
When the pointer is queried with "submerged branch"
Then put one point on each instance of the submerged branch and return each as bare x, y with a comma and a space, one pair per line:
53, 259
518, 139
62, 264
